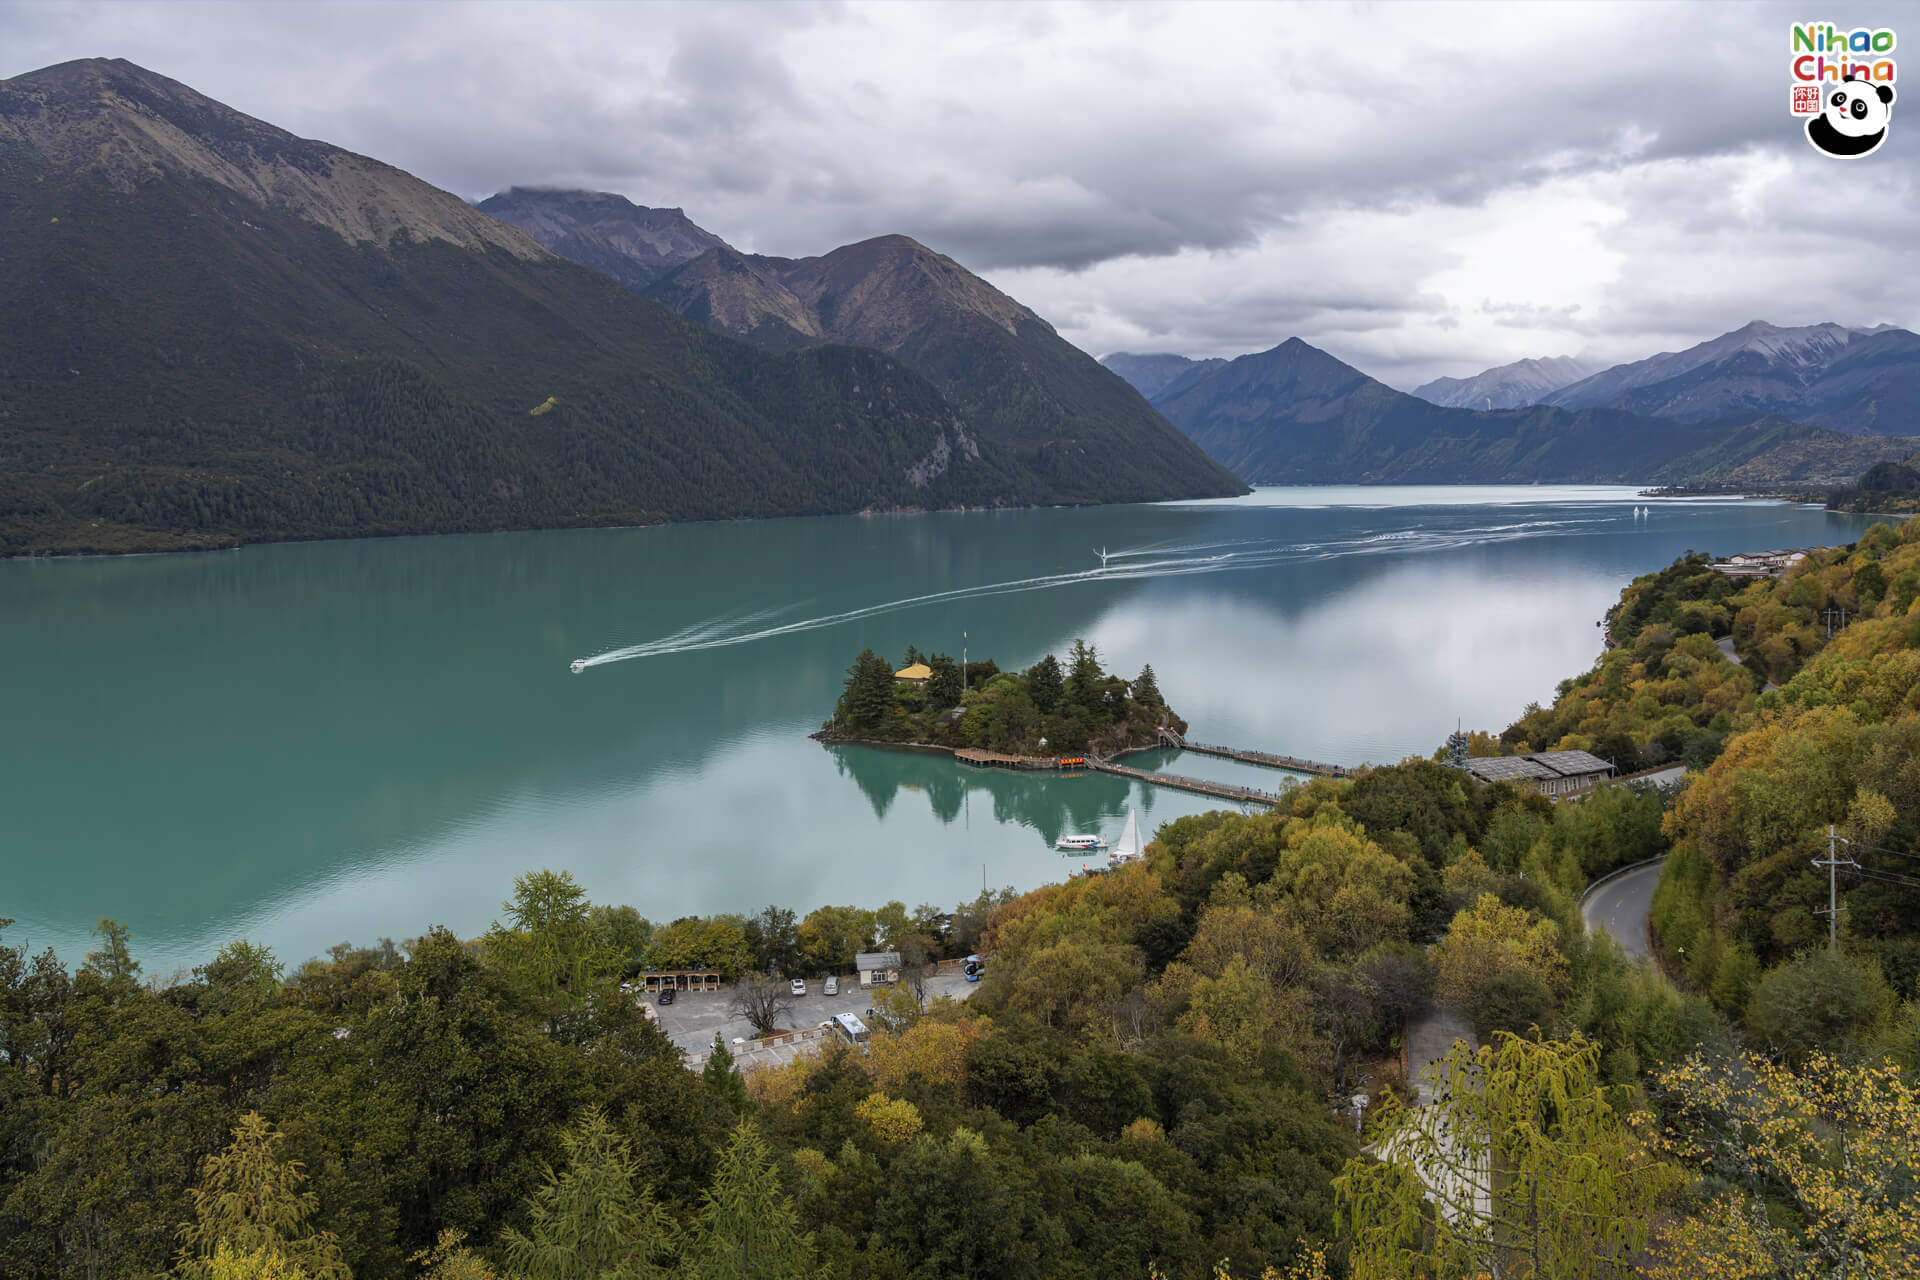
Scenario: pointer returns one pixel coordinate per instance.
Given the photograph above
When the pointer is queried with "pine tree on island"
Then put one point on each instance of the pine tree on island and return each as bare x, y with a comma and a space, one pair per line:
1146, 690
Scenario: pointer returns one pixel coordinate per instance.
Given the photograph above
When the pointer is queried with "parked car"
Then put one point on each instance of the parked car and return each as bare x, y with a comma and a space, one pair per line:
799, 986
666, 995
833, 986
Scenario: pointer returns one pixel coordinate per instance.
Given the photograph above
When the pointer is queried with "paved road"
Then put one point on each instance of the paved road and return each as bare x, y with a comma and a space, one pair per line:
1726, 647
1621, 906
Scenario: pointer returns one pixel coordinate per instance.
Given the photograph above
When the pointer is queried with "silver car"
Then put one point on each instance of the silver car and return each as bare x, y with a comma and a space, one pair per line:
799, 986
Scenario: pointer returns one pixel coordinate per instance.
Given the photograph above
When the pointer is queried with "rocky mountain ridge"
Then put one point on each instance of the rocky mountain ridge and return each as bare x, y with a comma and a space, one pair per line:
132, 127
1849, 379
1508, 386
632, 243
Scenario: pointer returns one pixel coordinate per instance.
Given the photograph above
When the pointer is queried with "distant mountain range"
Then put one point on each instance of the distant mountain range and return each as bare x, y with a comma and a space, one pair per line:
1296, 415
1009, 376
1850, 379
212, 331
1511, 386
1860, 380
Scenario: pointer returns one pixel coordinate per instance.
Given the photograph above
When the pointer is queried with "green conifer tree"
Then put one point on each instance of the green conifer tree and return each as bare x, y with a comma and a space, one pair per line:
1084, 676
943, 686
723, 1080
590, 1223
1146, 690
113, 961
869, 696
747, 1229
1046, 685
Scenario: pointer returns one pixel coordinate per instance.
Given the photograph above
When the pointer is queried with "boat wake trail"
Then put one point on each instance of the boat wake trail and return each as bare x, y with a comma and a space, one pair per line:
1154, 561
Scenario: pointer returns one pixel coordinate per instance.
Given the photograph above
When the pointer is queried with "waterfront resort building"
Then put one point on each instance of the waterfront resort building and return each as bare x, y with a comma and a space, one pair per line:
1552, 773
1759, 564
919, 672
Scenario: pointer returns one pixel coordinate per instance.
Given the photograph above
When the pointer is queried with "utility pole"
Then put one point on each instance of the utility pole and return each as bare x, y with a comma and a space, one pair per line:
1830, 612
963, 661
1833, 865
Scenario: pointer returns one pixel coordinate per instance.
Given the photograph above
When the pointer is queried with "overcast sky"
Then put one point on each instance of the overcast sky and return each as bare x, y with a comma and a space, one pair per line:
1421, 189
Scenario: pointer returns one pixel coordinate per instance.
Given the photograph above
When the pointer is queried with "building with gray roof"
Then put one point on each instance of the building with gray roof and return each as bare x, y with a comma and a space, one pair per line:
1552, 773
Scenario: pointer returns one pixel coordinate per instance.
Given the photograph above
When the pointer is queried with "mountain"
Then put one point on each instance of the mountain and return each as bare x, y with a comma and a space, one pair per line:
1858, 380
212, 332
1150, 374
1296, 415
1510, 386
1022, 386
630, 242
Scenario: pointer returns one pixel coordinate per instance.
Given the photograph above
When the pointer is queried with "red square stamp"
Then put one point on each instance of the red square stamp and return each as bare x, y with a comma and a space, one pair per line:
1806, 99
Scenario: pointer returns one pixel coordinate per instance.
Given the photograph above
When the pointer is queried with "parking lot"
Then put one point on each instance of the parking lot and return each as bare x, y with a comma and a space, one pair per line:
693, 1017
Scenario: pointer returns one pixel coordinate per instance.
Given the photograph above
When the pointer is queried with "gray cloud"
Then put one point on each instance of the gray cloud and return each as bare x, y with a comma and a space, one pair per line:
1422, 189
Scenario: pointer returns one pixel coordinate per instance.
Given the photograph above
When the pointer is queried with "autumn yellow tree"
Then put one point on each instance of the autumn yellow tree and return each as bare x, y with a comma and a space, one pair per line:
253, 1204
1490, 941
1530, 1170
891, 1120
1814, 1170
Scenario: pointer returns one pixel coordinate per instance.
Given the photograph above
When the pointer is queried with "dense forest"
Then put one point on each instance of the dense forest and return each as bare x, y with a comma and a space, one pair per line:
1887, 487
1051, 708
1154, 1076
1817, 729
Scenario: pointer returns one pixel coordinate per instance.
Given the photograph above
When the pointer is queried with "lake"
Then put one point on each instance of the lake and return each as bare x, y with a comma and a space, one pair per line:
312, 743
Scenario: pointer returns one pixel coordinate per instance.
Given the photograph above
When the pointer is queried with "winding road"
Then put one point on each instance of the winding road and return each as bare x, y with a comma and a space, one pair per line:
1621, 905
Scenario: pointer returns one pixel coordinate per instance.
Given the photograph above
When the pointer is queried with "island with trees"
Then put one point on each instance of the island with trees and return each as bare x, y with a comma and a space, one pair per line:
1050, 709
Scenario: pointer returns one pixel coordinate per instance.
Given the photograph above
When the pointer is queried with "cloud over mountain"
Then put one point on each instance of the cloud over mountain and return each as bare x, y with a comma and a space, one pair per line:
1486, 183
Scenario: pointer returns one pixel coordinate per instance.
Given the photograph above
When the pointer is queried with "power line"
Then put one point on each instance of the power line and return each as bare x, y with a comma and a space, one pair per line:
1887, 877
1874, 848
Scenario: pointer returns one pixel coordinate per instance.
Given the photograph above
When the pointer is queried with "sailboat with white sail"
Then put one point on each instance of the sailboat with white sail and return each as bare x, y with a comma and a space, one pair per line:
1128, 849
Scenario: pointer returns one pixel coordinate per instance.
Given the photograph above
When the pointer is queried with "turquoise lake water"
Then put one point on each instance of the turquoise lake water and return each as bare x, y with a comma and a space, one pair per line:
313, 743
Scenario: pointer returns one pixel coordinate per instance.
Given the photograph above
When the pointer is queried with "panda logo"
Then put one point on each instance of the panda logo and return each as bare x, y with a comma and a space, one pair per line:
1853, 119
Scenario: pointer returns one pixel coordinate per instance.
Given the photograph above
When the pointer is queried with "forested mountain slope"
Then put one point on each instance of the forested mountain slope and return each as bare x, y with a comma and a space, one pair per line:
212, 331
1021, 387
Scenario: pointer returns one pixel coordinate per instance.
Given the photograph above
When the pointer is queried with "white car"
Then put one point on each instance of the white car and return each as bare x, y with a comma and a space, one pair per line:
833, 986
799, 986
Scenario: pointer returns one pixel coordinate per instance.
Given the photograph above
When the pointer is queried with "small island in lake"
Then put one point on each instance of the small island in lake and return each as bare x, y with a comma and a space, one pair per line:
1050, 709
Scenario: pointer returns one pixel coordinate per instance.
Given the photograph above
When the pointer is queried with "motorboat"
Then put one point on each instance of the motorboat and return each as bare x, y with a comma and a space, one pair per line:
577, 665
1080, 843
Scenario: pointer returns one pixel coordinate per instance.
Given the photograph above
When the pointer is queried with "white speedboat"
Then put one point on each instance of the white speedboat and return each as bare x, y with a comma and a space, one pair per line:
577, 665
1080, 842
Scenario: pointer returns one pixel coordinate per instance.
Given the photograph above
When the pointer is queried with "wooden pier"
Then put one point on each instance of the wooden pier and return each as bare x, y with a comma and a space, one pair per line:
1221, 790
1266, 758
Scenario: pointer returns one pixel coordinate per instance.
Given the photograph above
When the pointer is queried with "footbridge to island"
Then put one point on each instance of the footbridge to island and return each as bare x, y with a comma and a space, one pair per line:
1169, 738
